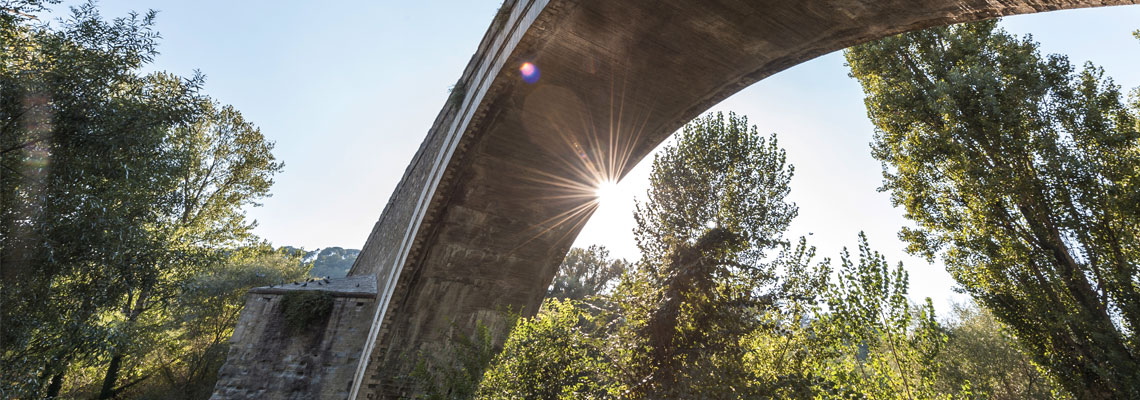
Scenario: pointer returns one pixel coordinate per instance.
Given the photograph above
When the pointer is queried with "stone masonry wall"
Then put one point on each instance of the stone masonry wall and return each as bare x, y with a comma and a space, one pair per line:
268, 359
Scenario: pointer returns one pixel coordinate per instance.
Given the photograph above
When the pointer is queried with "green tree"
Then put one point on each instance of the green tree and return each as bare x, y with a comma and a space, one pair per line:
204, 317
83, 149
782, 354
553, 356
720, 176
586, 273
979, 358
194, 330
1022, 175
715, 209
706, 322
223, 164
689, 320
456, 371
874, 343
118, 187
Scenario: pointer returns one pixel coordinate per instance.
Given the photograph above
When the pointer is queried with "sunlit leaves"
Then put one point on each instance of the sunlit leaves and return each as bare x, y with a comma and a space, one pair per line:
720, 174
883, 347
585, 273
118, 187
1021, 174
553, 356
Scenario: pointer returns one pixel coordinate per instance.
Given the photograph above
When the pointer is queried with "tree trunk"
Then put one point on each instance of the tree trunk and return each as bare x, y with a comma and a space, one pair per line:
111, 376
116, 364
56, 385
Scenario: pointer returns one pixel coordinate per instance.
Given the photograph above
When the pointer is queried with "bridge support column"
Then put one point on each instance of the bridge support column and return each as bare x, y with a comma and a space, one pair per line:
299, 341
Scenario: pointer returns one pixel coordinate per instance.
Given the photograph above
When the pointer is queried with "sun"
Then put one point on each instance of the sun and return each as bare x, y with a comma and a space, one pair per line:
607, 190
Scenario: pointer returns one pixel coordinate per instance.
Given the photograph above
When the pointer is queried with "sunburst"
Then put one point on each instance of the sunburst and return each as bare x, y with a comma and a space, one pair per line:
606, 191
590, 162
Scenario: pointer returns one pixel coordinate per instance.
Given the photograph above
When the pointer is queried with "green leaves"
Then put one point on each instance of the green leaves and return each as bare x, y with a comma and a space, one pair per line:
1020, 173
720, 306
715, 209
721, 174
884, 347
687, 320
118, 188
981, 359
553, 356
586, 273
306, 309
82, 148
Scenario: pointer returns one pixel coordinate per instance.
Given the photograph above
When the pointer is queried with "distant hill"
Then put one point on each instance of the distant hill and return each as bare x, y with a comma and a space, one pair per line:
333, 262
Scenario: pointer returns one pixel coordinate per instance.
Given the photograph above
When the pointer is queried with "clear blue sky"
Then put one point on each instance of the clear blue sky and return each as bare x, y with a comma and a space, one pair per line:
348, 90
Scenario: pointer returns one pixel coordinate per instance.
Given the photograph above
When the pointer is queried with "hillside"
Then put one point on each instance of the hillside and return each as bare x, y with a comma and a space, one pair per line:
333, 262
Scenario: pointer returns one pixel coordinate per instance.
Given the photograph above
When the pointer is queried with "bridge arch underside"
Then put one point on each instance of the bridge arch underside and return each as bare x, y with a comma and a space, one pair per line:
502, 184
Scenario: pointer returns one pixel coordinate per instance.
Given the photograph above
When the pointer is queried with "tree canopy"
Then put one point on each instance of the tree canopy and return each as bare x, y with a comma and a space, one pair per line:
119, 187
1021, 173
585, 273
723, 307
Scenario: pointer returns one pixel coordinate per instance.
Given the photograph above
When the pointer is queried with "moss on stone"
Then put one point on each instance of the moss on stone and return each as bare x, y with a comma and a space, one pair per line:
304, 309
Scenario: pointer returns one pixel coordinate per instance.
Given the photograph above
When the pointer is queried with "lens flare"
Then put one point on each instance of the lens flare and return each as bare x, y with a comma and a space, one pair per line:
589, 152
529, 72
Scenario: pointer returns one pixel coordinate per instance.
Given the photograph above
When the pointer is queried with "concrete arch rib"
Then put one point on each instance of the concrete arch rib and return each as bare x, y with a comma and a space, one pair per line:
502, 184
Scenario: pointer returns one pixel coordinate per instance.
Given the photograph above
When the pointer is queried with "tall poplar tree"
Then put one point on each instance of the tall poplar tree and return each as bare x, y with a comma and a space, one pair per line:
715, 215
1023, 174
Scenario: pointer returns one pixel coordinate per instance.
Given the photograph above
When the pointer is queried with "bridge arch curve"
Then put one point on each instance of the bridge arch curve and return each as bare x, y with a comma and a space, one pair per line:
503, 182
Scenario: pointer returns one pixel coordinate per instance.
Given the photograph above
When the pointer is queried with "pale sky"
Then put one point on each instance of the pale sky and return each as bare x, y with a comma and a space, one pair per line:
348, 90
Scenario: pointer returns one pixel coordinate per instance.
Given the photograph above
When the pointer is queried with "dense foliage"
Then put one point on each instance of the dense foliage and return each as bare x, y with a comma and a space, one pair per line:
123, 194
979, 358
126, 252
715, 212
183, 362
304, 309
555, 355
875, 344
586, 273
1022, 174
722, 307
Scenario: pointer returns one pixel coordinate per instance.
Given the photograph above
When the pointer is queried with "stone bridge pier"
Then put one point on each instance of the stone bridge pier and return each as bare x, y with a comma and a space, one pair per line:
504, 179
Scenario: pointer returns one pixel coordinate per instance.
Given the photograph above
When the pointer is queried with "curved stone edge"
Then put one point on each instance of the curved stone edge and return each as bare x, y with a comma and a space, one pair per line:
499, 47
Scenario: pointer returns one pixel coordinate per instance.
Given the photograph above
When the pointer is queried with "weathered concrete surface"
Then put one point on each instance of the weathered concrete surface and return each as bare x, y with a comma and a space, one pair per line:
266, 360
500, 186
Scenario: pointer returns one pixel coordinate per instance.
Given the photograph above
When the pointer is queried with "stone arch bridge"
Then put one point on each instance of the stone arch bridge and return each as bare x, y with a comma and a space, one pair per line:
504, 180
